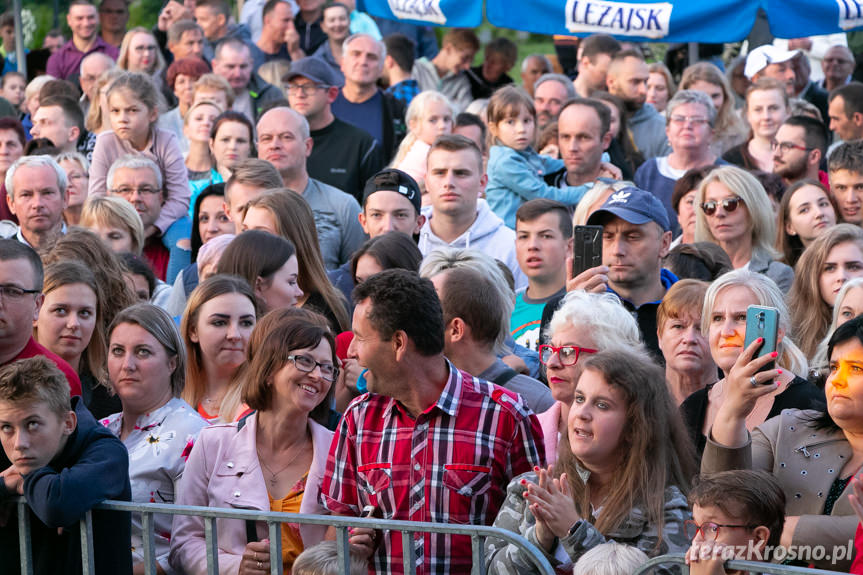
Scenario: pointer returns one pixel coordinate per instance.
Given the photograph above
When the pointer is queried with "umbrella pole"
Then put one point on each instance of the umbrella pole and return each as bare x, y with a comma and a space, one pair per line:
20, 55
693, 53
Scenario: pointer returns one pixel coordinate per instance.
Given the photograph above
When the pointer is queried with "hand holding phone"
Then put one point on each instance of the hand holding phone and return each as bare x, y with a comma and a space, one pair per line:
762, 322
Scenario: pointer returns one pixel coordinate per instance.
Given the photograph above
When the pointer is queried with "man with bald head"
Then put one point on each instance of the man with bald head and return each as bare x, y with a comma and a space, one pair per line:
360, 102
92, 66
532, 67
234, 62
837, 65
284, 141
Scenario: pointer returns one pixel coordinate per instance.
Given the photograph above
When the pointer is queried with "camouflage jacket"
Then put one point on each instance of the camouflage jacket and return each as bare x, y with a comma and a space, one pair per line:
505, 559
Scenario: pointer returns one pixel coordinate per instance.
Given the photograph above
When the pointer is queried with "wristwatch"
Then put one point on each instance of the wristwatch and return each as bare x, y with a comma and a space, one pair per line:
574, 528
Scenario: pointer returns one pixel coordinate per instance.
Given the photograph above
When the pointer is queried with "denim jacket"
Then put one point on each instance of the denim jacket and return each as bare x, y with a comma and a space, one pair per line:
516, 176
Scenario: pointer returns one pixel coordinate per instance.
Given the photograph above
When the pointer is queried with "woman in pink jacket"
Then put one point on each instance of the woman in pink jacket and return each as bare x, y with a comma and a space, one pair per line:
272, 460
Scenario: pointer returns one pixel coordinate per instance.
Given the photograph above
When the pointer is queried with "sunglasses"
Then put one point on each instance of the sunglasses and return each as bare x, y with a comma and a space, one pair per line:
728, 204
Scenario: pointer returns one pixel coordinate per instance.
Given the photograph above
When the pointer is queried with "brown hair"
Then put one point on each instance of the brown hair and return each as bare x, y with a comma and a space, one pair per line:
653, 457
88, 248
274, 338
461, 39
254, 172
791, 247
456, 143
35, 380
505, 103
474, 298
211, 288
64, 273
810, 315
686, 297
213, 83
536, 208
750, 497
294, 220
688, 182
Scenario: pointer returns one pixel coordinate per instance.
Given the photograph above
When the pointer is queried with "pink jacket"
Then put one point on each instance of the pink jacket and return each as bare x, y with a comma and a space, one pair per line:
163, 149
548, 421
223, 471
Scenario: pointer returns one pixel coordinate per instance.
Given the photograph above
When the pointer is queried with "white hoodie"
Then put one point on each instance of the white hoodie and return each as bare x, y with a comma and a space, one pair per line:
487, 234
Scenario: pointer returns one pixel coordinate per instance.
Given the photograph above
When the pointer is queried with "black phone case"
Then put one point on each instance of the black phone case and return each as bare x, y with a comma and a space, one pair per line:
586, 248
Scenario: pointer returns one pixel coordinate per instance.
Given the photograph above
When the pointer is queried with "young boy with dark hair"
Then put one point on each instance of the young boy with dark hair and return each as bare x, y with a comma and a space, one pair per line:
63, 463
736, 514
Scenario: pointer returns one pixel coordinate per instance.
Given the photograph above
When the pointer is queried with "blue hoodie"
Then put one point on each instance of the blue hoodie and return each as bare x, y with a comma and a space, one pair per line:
516, 176
92, 467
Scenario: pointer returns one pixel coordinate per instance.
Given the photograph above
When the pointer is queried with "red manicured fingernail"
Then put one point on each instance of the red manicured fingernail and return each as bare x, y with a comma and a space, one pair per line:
535, 468
524, 481
780, 371
774, 354
760, 339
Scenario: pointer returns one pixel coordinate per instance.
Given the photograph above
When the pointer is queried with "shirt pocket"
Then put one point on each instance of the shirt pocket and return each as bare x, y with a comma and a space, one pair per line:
467, 480
375, 481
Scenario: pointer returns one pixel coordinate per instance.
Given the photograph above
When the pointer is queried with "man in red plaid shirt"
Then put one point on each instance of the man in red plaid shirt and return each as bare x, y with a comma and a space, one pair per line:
428, 442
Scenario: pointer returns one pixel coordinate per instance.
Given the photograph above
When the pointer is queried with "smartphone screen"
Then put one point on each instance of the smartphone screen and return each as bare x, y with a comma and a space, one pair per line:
762, 321
586, 248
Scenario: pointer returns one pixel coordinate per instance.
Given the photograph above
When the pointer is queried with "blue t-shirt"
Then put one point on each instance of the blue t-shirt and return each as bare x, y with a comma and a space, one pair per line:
368, 116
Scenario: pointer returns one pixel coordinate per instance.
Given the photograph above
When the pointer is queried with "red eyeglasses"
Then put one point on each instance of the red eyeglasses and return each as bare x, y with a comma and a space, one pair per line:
568, 354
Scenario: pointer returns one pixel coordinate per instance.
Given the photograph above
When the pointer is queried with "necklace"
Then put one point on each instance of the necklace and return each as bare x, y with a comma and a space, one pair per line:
274, 476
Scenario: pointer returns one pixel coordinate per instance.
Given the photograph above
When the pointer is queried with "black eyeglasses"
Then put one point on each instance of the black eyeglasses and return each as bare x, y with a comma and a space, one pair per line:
728, 204
306, 364
709, 530
15, 292
568, 354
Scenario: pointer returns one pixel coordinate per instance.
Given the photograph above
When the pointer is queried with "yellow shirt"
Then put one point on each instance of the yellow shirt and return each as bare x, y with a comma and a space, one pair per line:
292, 543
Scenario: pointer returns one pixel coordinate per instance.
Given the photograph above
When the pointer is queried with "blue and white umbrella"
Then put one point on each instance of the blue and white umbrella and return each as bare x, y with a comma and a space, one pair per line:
709, 21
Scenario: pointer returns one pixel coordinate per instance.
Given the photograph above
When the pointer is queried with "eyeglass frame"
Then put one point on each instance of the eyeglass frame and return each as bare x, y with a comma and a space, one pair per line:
681, 120
4, 292
293, 359
788, 146
700, 528
141, 191
556, 350
725, 203
305, 89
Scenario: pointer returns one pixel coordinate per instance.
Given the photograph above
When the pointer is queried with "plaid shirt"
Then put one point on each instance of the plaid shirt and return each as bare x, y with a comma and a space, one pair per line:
405, 90
450, 465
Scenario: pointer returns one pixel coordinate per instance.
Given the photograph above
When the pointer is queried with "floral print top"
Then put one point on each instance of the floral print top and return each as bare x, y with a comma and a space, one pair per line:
158, 448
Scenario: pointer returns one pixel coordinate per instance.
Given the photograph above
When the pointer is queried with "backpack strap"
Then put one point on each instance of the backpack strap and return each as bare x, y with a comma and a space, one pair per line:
505, 376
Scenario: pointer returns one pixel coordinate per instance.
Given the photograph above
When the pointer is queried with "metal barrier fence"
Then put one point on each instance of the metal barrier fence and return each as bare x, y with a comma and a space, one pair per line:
477, 533
751, 566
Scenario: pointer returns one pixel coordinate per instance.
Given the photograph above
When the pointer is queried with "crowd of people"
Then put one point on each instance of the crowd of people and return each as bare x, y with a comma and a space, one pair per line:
305, 260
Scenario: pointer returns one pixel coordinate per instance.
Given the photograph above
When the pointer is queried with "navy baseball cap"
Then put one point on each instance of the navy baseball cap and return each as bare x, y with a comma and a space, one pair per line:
633, 205
392, 180
314, 69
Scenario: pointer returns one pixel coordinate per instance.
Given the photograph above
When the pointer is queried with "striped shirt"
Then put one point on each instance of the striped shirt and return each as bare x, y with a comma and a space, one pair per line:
451, 465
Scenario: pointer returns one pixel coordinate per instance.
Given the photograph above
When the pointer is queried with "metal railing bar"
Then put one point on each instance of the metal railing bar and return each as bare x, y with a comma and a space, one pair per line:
275, 532
25, 544
211, 542
87, 557
409, 562
148, 528
477, 548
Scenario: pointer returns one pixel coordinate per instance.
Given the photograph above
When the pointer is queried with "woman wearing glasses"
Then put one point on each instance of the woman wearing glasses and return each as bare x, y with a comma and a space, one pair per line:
723, 321
272, 460
735, 213
584, 324
828, 262
620, 476
812, 453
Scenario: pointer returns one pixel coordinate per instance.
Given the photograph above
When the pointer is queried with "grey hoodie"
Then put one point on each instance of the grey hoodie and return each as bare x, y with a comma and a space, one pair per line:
487, 234
648, 130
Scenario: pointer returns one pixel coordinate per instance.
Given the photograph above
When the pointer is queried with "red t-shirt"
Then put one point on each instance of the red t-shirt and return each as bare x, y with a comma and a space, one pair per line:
157, 255
32, 349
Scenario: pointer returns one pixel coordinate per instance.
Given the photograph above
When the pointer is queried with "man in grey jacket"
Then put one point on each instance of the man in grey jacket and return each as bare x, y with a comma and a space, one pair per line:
627, 79
458, 218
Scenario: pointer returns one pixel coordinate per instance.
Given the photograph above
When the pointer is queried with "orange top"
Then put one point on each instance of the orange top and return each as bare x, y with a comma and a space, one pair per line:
292, 543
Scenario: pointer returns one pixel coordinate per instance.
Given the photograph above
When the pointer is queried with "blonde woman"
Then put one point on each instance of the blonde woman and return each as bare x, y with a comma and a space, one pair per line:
116, 222
733, 211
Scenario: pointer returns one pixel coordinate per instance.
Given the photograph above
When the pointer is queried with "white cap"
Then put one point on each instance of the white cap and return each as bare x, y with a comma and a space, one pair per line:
763, 56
